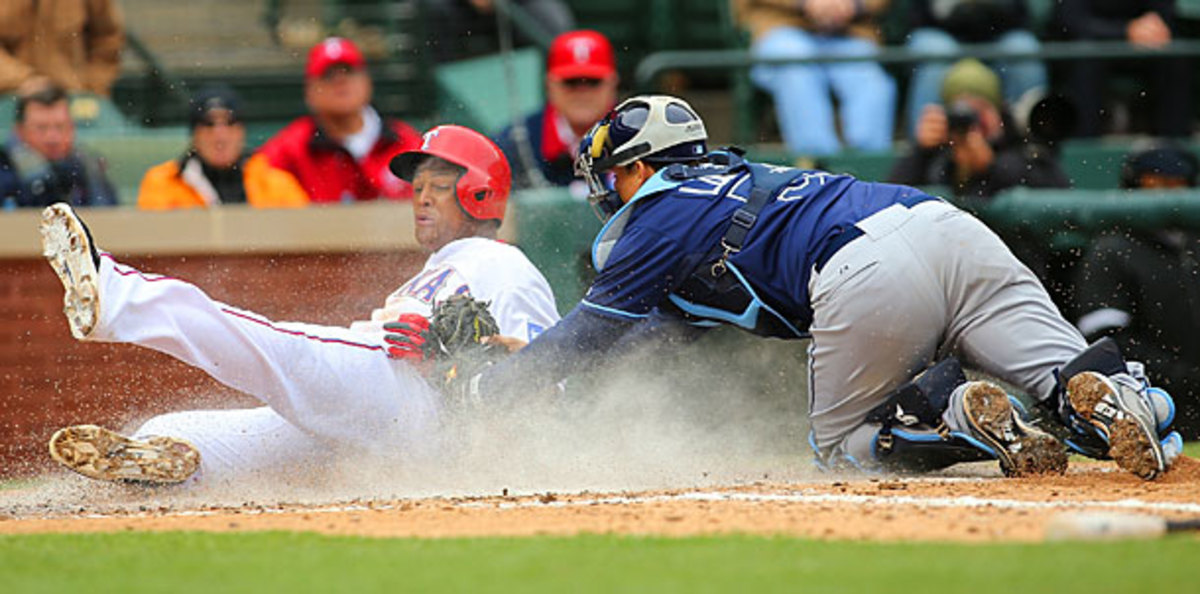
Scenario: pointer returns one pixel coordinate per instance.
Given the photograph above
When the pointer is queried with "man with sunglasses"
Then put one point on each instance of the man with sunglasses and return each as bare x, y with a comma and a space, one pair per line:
215, 169
581, 87
340, 152
891, 286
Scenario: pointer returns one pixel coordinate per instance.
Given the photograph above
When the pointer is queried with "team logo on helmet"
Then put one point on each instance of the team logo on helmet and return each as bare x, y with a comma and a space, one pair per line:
429, 138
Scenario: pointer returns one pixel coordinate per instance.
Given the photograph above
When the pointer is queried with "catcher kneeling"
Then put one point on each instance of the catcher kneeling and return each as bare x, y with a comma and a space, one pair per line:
327, 390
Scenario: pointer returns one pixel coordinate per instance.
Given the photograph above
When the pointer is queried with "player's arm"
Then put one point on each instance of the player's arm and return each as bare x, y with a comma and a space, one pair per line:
575, 344
632, 283
661, 329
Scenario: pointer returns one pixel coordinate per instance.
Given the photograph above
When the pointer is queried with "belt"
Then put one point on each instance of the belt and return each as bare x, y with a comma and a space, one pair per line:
853, 232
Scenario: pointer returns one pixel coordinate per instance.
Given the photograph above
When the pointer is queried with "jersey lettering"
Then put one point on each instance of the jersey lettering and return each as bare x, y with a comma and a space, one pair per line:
707, 185
799, 190
427, 291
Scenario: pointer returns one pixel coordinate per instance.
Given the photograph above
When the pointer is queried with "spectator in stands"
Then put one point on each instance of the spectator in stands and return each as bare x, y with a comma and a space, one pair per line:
8, 181
75, 43
1146, 23
866, 94
340, 153
466, 28
216, 169
942, 26
49, 166
973, 146
1143, 287
581, 87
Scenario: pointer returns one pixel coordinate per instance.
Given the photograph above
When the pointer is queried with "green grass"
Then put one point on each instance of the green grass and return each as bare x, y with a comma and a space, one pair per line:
304, 562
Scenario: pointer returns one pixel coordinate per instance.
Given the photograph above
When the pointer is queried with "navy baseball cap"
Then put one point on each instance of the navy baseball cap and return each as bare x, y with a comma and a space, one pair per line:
213, 98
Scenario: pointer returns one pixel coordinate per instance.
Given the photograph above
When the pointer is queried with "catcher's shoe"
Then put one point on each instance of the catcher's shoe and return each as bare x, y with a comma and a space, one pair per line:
1021, 448
96, 452
1124, 416
67, 245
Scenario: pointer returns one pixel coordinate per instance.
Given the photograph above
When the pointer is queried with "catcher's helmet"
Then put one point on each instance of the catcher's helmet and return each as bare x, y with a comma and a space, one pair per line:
658, 129
483, 189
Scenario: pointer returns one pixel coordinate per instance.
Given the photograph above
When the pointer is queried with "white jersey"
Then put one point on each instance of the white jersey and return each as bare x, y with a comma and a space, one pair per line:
520, 298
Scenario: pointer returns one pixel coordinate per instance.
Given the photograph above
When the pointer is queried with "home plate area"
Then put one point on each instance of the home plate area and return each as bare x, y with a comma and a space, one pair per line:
957, 507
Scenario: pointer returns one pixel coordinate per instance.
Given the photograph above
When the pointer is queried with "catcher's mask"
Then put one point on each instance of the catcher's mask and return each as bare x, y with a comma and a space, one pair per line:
658, 129
483, 189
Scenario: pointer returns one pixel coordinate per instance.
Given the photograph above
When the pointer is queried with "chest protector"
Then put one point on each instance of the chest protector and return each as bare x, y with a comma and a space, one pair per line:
712, 289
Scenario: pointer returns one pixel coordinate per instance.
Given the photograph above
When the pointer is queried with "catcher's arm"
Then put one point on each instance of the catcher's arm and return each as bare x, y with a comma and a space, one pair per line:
511, 343
570, 346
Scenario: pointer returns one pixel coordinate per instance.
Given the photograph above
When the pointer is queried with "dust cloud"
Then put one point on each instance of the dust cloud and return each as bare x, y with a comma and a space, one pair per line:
727, 409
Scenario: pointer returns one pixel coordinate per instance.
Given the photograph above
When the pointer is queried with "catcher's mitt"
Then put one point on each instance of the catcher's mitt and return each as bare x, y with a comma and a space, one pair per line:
452, 341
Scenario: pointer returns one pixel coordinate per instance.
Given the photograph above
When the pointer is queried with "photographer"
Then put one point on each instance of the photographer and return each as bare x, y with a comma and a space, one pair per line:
942, 26
973, 145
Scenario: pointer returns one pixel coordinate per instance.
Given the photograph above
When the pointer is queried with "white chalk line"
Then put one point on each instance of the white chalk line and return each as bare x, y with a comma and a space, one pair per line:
718, 496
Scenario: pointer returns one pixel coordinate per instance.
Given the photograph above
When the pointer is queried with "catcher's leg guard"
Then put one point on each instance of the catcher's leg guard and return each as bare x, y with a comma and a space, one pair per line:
1112, 414
919, 450
96, 452
953, 420
912, 435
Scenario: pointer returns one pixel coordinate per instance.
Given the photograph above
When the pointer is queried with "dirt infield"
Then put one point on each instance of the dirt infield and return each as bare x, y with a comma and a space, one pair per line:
973, 505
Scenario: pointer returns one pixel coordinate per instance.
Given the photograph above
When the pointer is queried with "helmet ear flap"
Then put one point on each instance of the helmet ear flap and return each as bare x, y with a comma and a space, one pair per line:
478, 197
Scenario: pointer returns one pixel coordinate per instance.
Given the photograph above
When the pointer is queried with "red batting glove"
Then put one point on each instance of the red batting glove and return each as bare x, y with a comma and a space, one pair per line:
406, 337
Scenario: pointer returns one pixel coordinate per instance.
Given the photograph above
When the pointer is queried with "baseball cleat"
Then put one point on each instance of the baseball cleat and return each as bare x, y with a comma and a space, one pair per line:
67, 245
1116, 407
96, 452
1022, 449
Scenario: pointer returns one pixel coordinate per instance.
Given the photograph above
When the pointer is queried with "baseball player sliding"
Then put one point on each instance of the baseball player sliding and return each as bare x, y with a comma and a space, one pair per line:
886, 281
325, 388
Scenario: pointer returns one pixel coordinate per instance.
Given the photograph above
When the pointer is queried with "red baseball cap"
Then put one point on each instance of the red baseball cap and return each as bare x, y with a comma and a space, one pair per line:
333, 51
580, 54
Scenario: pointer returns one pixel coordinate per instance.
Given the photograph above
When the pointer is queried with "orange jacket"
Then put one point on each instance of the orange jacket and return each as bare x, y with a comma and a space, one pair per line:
163, 188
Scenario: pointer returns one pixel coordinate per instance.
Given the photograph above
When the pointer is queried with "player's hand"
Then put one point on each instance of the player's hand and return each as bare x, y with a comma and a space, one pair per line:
406, 337
510, 343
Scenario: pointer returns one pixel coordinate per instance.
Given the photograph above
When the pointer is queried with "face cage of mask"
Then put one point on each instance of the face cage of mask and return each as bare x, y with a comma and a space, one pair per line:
604, 200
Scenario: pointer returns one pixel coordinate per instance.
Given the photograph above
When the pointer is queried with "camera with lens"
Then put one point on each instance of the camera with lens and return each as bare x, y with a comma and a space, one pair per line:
960, 117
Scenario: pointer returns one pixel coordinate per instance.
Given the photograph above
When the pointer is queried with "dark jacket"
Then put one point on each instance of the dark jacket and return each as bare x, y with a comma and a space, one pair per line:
1104, 19
558, 171
973, 21
1017, 163
1143, 289
79, 180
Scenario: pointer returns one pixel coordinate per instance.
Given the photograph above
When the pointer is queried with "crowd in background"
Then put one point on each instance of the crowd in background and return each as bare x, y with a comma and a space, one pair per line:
976, 128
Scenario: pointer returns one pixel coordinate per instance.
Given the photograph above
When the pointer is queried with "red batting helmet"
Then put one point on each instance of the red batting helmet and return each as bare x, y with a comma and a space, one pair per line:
483, 188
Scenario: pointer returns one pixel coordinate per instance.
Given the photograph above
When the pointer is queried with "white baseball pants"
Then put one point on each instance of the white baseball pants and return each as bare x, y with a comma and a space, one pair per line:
327, 388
